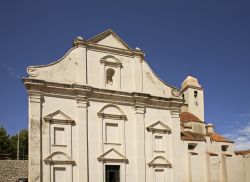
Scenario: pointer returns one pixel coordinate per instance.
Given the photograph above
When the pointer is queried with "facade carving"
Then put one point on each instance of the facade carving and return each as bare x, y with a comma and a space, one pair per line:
100, 114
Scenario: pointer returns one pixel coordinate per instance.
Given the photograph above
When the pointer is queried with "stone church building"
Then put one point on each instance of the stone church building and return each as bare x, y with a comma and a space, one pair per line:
100, 114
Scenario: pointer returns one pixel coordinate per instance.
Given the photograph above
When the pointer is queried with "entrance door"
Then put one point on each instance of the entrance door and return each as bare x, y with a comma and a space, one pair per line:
112, 173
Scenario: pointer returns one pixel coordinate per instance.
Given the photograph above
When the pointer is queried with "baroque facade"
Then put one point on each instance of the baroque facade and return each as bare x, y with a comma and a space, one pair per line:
100, 114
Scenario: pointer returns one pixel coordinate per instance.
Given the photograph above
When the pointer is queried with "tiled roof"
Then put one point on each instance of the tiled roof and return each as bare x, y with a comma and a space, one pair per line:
190, 136
243, 152
188, 117
218, 138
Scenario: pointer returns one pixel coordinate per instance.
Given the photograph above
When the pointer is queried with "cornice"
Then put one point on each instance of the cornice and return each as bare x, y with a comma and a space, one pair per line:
84, 93
94, 46
112, 116
193, 87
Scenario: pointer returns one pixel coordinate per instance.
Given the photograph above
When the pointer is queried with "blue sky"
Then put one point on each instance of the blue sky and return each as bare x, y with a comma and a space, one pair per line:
207, 39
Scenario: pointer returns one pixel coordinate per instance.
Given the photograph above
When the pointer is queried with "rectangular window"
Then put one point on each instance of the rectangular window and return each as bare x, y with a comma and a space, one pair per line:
112, 133
59, 136
112, 173
158, 143
59, 174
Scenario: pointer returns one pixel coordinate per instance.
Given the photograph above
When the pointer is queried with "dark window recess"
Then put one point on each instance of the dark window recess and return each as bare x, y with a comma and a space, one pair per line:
112, 173
183, 96
195, 93
109, 74
191, 146
224, 148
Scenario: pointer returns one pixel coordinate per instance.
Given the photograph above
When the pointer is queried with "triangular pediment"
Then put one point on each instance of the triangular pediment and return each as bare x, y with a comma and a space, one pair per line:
112, 156
58, 116
109, 38
159, 127
159, 162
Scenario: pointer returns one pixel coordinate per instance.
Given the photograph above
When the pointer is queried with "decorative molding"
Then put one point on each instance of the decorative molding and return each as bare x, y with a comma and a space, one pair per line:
50, 118
33, 72
160, 161
66, 159
175, 113
55, 145
35, 98
140, 109
175, 92
121, 158
212, 154
105, 61
104, 95
112, 116
193, 87
82, 102
105, 34
102, 114
164, 129
193, 153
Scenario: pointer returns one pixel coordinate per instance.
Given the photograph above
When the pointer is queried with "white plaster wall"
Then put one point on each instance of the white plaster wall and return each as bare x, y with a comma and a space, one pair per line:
247, 167
236, 170
68, 106
152, 84
70, 69
95, 71
152, 116
96, 147
193, 107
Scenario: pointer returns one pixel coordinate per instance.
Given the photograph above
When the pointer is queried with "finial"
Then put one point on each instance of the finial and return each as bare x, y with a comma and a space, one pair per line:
78, 41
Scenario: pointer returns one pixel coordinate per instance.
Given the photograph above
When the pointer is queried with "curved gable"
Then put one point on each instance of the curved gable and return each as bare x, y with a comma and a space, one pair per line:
112, 111
58, 158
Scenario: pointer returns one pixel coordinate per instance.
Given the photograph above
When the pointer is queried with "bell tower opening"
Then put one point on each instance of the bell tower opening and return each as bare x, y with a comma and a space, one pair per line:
109, 76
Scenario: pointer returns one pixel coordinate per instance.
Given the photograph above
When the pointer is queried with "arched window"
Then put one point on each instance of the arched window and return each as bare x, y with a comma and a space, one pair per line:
109, 76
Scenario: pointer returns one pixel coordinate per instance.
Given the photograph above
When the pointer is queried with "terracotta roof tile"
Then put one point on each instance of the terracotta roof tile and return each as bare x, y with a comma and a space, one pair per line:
190, 136
218, 138
243, 152
188, 117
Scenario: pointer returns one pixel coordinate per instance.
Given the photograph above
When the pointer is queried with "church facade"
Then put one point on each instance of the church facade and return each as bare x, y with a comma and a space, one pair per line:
100, 114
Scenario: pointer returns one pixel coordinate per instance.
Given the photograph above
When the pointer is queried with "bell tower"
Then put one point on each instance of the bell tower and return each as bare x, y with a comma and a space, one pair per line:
192, 93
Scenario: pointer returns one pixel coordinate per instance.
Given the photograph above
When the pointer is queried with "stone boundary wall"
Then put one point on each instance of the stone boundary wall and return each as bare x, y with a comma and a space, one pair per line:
12, 170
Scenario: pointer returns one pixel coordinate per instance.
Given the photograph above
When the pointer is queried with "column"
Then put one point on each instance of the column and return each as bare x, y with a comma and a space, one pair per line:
35, 138
82, 125
140, 143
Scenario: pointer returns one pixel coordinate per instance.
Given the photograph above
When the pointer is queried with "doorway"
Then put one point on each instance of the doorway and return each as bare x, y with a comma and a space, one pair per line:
112, 173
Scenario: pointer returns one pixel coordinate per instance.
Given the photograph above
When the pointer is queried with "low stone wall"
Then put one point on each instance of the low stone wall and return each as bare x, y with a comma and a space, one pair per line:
11, 170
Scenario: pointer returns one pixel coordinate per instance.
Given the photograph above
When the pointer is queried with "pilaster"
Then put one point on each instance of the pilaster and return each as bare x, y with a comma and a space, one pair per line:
177, 152
138, 78
140, 142
35, 138
82, 125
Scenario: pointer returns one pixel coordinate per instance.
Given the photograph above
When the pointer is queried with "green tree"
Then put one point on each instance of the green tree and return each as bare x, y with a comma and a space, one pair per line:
4, 141
24, 141
23, 145
8, 144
